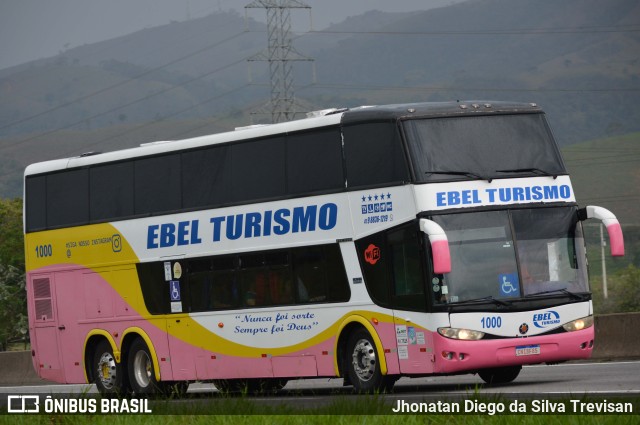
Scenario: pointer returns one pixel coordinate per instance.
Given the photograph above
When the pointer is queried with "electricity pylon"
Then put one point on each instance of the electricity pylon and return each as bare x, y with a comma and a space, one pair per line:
280, 55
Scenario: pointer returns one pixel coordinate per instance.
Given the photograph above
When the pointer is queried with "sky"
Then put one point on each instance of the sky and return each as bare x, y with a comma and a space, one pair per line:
35, 29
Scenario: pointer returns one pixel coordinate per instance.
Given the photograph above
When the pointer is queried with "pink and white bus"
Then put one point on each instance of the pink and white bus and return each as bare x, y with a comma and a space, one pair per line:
365, 244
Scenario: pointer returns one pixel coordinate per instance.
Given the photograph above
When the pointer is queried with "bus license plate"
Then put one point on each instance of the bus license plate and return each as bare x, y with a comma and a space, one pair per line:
528, 350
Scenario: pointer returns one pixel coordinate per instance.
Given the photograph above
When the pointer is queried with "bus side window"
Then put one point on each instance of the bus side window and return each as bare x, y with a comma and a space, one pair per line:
278, 274
374, 154
319, 275
155, 289
408, 285
266, 279
310, 276
373, 256
226, 291
200, 283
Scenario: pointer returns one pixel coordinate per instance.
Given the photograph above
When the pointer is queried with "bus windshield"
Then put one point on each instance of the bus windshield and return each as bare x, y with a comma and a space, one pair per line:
482, 147
502, 256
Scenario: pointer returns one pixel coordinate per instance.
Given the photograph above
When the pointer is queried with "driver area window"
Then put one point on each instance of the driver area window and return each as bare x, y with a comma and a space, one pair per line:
392, 266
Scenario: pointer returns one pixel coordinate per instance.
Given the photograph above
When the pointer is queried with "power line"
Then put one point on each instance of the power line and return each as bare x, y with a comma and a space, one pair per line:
280, 55
524, 31
148, 124
126, 105
595, 156
122, 83
444, 88
612, 162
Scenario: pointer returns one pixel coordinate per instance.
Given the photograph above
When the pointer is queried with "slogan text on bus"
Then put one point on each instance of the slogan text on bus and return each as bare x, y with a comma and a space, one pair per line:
503, 195
250, 225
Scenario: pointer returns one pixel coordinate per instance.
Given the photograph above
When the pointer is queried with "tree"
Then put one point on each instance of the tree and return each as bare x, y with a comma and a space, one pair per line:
13, 296
626, 289
11, 236
13, 305
624, 292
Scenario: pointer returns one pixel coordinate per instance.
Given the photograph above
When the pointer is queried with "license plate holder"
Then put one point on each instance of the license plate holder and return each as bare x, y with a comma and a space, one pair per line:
527, 350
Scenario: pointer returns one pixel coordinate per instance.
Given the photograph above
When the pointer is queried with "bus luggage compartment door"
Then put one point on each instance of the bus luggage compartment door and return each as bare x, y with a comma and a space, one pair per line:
298, 366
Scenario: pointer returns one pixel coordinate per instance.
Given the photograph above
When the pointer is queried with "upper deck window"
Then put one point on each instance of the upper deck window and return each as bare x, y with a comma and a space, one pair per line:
482, 147
374, 155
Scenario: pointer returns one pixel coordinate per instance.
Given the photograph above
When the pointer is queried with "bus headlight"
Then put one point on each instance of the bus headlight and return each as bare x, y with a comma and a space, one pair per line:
578, 325
464, 334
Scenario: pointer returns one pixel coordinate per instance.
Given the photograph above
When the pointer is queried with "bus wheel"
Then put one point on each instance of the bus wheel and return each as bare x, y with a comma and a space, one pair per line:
142, 376
107, 373
500, 375
362, 365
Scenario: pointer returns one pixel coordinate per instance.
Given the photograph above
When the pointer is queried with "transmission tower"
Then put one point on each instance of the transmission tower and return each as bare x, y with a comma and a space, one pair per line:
280, 55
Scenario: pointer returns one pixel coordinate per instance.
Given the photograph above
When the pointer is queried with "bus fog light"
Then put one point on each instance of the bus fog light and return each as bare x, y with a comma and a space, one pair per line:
463, 334
579, 324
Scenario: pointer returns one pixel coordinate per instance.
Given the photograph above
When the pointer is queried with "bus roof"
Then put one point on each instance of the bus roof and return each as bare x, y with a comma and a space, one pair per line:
319, 119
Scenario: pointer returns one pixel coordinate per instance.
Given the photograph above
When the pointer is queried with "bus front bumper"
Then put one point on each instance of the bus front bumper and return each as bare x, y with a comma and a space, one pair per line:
452, 356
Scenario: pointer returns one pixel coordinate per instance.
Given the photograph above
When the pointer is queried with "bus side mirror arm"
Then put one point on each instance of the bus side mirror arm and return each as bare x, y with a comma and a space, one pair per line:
616, 239
439, 246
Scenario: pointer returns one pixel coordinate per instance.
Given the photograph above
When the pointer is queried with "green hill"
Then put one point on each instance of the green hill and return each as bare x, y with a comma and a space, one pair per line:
606, 172
576, 58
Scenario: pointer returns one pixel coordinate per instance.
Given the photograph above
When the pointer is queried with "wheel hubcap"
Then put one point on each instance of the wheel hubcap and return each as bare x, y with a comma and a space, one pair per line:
364, 360
107, 370
142, 369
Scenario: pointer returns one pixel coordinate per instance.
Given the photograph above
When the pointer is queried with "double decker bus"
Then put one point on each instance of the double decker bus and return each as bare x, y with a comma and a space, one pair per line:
365, 244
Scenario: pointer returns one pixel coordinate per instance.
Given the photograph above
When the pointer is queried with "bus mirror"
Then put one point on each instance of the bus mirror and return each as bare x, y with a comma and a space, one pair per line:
439, 246
616, 239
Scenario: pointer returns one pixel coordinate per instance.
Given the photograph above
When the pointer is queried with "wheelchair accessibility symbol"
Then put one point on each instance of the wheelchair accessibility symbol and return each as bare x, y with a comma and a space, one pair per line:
509, 285
175, 290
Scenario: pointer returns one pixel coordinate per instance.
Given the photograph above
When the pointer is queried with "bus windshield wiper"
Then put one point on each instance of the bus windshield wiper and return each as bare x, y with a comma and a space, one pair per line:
537, 171
460, 173
490, 298
561, 291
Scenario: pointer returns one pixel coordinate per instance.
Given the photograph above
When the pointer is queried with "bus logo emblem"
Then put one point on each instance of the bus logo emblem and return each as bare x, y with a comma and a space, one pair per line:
524, 328
372, 254
546, 319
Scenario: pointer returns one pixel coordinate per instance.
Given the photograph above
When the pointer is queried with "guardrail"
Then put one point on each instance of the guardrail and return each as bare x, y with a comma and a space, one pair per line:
616, 338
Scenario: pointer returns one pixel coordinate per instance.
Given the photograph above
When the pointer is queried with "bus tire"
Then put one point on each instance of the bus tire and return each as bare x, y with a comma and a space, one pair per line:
363, 366
142, 376
108, 374
500, 375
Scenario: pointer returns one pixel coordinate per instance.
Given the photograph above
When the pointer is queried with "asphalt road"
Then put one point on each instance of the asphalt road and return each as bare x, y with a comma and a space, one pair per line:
614, 379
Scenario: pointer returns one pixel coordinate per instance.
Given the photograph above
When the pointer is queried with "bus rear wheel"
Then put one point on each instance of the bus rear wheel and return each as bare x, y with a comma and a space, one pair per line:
142, 374
107, 372
363, 366
500, 375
